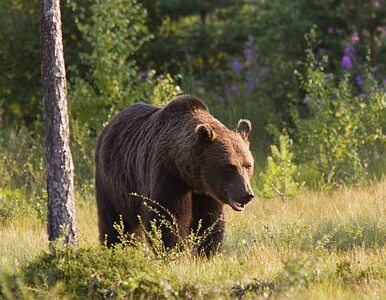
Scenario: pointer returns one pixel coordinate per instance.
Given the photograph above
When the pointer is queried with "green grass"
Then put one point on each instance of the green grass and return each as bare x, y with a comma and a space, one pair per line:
320, 245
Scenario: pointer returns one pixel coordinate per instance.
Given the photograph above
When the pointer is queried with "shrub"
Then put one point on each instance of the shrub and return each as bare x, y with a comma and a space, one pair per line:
344, 131
278, 179
99, 272
114, 33
10, 204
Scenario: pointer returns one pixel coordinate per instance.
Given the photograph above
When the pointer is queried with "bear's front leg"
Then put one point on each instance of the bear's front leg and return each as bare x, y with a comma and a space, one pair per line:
207, 223
170, 209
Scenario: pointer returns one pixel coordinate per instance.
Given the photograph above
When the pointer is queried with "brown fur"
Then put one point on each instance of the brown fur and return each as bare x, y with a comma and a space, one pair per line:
179, 156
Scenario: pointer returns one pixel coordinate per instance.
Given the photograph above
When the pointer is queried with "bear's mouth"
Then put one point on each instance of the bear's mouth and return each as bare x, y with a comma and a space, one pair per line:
236, 206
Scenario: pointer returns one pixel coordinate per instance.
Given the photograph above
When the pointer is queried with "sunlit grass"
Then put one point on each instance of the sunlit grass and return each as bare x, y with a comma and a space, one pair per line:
319, 245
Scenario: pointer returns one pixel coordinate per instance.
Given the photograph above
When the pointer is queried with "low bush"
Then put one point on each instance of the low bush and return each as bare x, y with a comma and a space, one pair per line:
344, 131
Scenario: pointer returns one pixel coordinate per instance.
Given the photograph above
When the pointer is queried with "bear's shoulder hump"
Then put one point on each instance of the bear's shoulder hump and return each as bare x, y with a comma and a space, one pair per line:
185, 103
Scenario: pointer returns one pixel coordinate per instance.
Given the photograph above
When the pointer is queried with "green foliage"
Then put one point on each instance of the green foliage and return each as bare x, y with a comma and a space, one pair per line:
9, 204
189, 34
159, 90
124, 51
22, 172
278, 179
82, 149
99, 272
20, 88
114, 32
344, 131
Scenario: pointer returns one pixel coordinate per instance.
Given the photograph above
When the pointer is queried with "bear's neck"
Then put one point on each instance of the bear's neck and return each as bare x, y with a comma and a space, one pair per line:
186, 149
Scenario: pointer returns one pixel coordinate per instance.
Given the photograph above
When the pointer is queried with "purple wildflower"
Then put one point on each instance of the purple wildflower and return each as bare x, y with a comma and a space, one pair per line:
249, 54
346, 62
349, 50
359, 80
221, 100
237, 66
143, 75
233, 88
384, 81
251, 86
251, 83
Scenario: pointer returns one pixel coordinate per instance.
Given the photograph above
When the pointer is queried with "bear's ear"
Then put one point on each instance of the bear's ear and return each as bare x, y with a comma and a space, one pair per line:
244, 128
205, 132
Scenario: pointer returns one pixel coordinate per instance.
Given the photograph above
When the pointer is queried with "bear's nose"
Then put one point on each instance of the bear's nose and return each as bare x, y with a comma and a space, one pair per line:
248, 196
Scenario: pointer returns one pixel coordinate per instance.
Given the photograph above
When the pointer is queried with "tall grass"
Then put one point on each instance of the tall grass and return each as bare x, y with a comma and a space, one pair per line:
318, 245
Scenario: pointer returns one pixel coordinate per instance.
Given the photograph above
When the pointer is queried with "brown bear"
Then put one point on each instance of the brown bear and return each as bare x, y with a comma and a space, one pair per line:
179, 156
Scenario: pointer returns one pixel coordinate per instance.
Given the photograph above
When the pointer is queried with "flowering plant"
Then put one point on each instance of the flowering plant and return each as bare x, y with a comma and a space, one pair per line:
345, 130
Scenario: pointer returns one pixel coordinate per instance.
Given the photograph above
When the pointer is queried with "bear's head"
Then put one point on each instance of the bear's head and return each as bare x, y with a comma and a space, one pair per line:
226, 163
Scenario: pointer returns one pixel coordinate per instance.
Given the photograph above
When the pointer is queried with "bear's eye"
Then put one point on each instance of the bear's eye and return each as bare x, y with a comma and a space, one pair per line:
231, 169
248, 167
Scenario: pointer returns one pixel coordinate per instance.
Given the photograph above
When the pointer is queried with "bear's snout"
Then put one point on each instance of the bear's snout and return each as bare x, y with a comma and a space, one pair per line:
238, 203
247, 197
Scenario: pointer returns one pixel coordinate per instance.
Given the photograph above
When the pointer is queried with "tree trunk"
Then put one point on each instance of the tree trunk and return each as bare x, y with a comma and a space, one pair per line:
60, 181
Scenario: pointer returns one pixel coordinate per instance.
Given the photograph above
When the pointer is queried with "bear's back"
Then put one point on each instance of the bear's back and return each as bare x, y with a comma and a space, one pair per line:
183, 104
140, 131
118, 135
135, 113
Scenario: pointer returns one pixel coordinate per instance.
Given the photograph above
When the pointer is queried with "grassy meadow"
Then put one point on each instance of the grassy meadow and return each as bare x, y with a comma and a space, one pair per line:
319, 245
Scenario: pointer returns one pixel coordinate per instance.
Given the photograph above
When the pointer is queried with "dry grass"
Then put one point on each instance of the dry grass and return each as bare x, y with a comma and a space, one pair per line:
320, 245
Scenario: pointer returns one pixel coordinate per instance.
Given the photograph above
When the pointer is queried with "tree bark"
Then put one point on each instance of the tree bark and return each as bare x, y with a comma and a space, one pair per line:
60, 181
